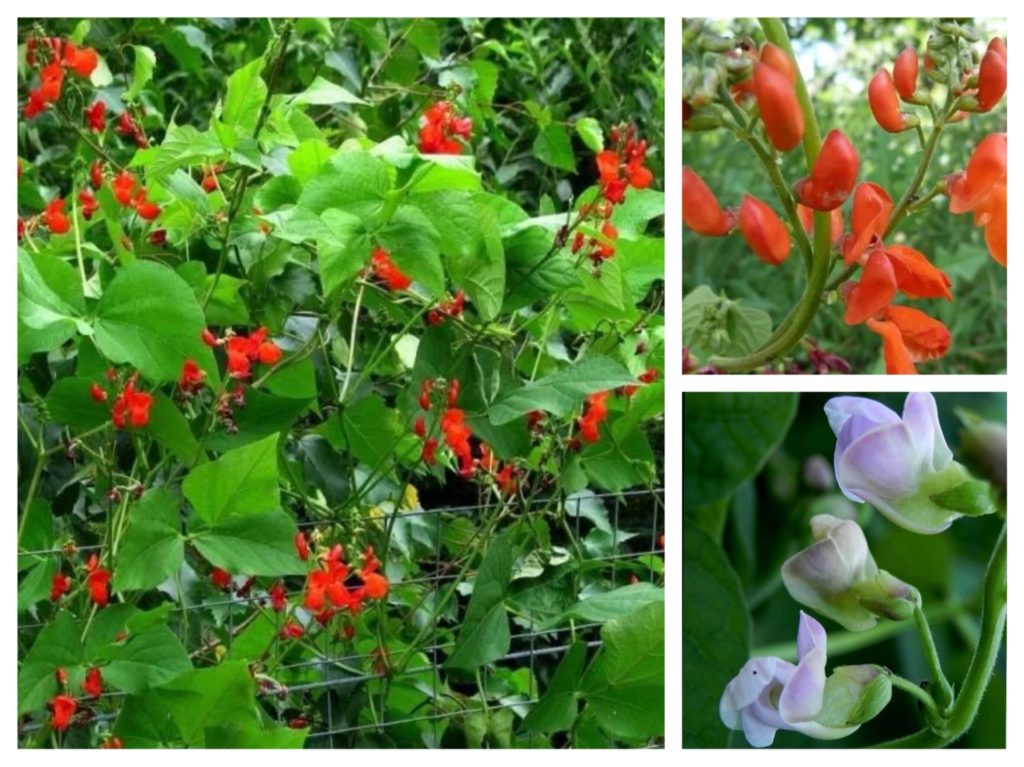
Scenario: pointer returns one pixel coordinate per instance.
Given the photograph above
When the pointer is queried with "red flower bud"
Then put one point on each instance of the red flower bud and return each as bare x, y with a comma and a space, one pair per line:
764, 231
833, 176
301, 546
701, 211
992, 75
97, 393
885, 104
779, 60
904, 73
780, 110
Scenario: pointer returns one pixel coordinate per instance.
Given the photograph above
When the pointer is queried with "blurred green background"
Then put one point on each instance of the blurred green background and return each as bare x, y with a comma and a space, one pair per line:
837, 58
767, 520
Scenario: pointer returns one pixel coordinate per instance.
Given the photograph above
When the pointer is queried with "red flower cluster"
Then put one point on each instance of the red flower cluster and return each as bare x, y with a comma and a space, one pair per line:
54, 218
60, 55
128, 192
192, 378
89, 203
291, 630
597, 249
773, 86
96, 117
456, 436
908, 335
242, 351
97, 581
439, 126
221, 579
127, 127
450, 307
384, 270
131, 407
623, 166
60, 586
62, 709
278, 598
93, 684
326, 589
981, 190
595, 412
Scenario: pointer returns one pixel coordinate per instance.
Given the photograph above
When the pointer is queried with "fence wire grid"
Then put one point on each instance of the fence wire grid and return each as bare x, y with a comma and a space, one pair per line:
341, 679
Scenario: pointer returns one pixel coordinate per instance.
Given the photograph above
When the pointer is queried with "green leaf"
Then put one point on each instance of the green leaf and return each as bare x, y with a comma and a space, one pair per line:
368, 429
557, 710
484, 636
325, 93
70, 402
562, 392
168, 426
534, 269
50, 302
145, 61
554, 147
716, 637
182, 145
354, 180
260, 545
144, 721
242, 482
144, 660
343, 250
152, 548
148, 317
589, 131
616, 603
412, 241
251, 735
625, 687
58, 645
246, 92
728, 439
210, 697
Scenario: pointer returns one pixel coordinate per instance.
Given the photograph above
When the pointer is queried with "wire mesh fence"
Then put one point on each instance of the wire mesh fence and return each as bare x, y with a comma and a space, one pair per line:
340, 688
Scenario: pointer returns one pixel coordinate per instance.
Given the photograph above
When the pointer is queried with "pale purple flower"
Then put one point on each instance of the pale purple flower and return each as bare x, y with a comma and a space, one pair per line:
894, 463
770, 694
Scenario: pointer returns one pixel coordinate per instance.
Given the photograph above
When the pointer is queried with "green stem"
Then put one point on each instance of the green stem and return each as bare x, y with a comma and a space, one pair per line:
807, 307
944, 694
909, 687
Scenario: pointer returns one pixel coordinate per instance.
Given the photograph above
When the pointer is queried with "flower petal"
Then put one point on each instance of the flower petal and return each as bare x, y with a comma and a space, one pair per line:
922, 419
839, 410
803, 695
879, 465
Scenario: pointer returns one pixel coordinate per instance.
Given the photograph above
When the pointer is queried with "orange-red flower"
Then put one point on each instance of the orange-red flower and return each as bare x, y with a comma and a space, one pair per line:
438, 128
123, 186
904, 73
131, 406
54, 217
780, 111
456, 436
82, 60
93, 684
97, 581
301, 545
885, 104
868, 220
292, 630
909, 336
60, 586
701, 211
384, 269
278, 600
764, 231
992, 75
595, 412
62, 708
89, 203
242, 351
96, 117
981, 190
874, 292
221, 579
833, 175
192, 377
51, 78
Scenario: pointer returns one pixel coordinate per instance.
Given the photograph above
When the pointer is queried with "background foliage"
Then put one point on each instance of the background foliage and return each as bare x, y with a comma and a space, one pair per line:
838, 57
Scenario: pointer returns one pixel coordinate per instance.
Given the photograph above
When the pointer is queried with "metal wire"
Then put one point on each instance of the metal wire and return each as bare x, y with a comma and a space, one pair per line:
342, 674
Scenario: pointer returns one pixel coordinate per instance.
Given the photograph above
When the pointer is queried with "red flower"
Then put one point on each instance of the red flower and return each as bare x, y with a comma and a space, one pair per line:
871, 208
909, 336
131, 406
420, 427
60, 675
981, 190
605, 249
127, 126
242, 351
97, 581
764, 231
123, 186
885, 104
833, 176
426, 387
96, 117
292, 630
192, 377
96, 174
210, 339
456, 437
54, 218
98, 393
62, 708
992, 75
780, 110
93, 684
594, 414
376, 585
158, 237
146, 209
701, 211
453, 392
384, 269
82, 60
220, 578
278, 601
112, 742
328, 583
35, 105
89, 203
60, 586
438, 125
779, 60
429, 453
51, 78
904, 73
622, 168
301, 545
